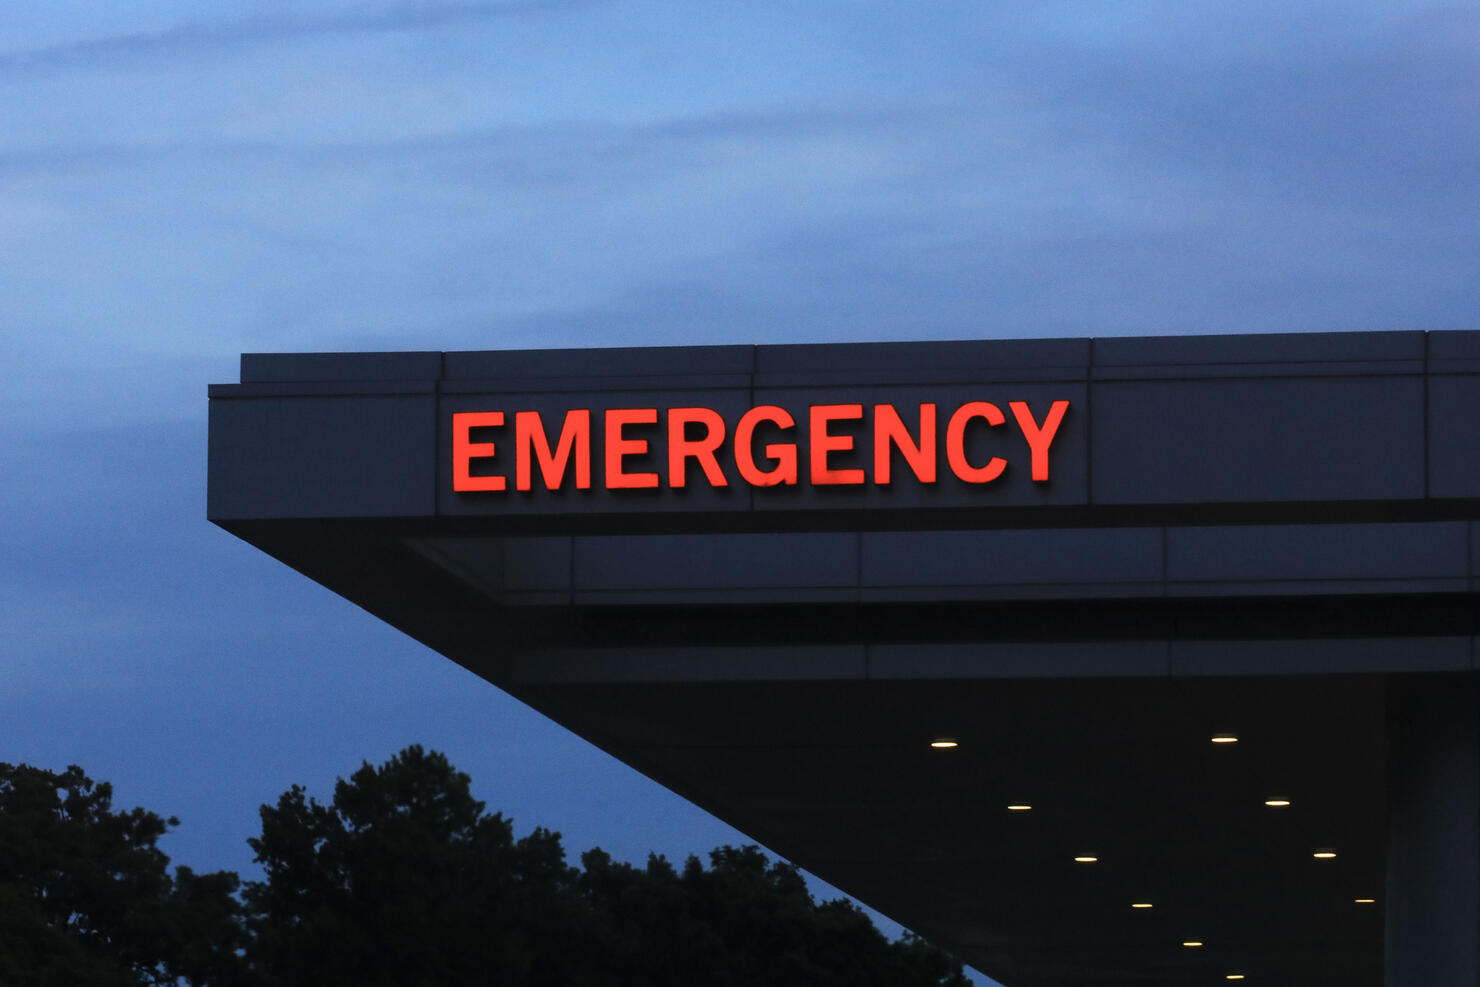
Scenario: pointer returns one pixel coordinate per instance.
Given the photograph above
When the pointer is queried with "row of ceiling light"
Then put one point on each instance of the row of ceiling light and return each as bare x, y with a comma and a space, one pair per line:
1323, 853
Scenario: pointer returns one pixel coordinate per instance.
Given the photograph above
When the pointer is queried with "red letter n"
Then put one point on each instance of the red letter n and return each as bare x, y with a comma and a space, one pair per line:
889, 430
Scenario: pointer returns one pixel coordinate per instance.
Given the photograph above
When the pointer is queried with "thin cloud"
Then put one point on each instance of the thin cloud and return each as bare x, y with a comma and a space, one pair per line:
198, 37
535, 154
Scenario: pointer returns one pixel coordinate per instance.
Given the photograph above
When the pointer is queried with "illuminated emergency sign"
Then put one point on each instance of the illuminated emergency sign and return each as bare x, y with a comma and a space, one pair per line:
762, 450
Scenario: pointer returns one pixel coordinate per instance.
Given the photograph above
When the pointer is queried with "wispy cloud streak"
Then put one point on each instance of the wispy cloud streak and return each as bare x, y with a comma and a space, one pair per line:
555, 148
206, 37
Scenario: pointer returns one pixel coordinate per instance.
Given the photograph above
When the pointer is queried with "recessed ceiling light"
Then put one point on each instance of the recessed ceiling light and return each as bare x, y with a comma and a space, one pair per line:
1193, 943
944, 743
1277, 803
1085, 859
1225, 738
1018, 807
1325, 853
1364, 901
1140, 904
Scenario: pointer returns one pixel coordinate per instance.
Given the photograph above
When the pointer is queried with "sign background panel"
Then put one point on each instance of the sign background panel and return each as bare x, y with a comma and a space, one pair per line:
351, 455
1257, 440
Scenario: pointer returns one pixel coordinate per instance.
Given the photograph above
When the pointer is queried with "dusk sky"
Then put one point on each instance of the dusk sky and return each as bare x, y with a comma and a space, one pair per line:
182, 182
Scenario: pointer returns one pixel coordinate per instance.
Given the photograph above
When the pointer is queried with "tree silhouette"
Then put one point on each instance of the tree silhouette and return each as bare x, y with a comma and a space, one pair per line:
744, 921
86, 897
404, 879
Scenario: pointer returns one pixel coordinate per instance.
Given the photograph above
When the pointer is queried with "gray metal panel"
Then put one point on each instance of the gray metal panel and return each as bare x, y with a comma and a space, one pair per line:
321, 457
528, 385
1179, 371
533, 566
1454, 352
1323, 656
643, 361
323, 388
280, 367
1318, 552
1257, 348
636, 562
538, 563
1316, 587
1257, 440
1454, 436
720, 664
946, 558
1432, 929
1010, 660
989, 355
718, 596
1011, 591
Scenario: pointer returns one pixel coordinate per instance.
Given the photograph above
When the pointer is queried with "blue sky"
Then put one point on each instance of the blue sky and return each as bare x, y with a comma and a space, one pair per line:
181, 182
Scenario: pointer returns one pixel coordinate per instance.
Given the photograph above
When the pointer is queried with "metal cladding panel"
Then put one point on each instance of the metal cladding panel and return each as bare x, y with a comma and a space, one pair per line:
1453, 352
1334, 656
815, 567
1019, 660
1454, 438
970, 360
1258, 440
1068, 556
637, 361
1265, 350
1433, 550
311, 457
638, 562
264, 368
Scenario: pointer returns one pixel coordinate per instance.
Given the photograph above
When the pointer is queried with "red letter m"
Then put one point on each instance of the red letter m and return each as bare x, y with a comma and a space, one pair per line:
530, 441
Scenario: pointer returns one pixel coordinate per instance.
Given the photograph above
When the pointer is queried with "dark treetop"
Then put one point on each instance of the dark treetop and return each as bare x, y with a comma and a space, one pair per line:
402, 880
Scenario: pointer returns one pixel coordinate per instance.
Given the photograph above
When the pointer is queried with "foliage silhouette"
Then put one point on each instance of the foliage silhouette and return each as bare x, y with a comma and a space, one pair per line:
86, 897
405, 880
